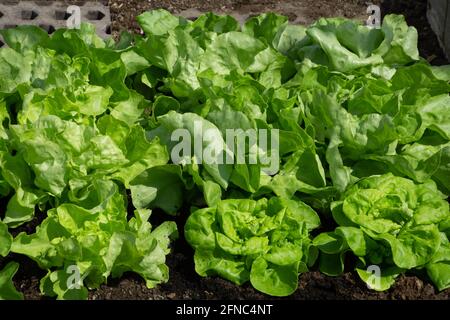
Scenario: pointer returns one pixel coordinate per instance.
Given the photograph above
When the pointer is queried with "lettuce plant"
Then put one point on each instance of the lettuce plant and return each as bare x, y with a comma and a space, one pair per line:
390, 222
263, 241
71, 143
86, 144
96, 243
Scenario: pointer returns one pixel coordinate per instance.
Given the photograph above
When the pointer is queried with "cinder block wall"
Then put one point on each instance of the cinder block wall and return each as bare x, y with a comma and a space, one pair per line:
439, 17
52, 15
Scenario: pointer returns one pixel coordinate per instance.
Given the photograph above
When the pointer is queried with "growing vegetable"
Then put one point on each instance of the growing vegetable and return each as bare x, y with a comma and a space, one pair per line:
390, 222
351, 126
264, 241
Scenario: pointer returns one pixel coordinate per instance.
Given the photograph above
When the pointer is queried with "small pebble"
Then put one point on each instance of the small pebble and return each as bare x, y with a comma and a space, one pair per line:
171, 295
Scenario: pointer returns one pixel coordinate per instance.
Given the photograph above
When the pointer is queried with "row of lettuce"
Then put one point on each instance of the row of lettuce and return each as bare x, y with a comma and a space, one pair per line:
85, 144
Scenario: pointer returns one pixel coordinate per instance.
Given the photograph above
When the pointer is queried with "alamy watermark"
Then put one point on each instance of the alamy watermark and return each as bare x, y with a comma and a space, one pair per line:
74, 19
75, 279
374, 280
251, 146
374, 20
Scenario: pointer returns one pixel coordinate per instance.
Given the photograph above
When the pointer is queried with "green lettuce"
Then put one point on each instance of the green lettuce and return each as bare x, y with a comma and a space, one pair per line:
390, 222
362, 137
265, 242
96, 243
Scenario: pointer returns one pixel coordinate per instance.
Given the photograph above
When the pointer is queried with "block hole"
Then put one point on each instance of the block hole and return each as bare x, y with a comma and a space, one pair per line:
48, 28
1, 43
1, 14
108, 30
29, 14
95, 15
61, 15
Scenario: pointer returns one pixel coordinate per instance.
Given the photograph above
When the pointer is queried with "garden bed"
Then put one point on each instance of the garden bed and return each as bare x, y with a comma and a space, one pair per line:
184, 283
304, 11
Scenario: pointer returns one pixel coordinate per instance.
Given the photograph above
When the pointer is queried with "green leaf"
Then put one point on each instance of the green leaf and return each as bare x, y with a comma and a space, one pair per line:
331, 264
232, 51
287, 38
15, 70
134, 62
272, 279
329, 34
97, 242
439, 268
380, 282
5, 240
400, 42
358, 127
20, 208
264, 241
141, 155
59, 284
160, 187
329, 243
189, 121
210, 22
180, 55
159, 22
7, 289
264, 26
226, 266
24, 38
435, 115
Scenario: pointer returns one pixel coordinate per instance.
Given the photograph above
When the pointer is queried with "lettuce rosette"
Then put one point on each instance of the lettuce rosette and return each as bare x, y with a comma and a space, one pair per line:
392, 223
263, 241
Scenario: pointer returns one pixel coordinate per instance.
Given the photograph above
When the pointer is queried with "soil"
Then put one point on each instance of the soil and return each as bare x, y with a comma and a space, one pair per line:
415, 14
301, 11
184, 283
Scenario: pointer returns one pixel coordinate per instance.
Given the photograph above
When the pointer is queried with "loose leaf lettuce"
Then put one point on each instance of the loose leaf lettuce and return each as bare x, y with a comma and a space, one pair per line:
391, 222
264, 241
362, 137
99, 242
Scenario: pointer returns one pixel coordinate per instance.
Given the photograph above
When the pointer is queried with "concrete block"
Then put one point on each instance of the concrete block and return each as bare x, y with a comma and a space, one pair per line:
52, 15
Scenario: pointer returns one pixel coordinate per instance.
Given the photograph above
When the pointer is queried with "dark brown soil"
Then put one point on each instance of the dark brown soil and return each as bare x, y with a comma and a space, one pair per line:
304, 11
415, 13
184, 283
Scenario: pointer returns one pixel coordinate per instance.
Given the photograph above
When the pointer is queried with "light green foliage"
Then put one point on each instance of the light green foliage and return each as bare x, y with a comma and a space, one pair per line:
86, 147
264, 241
391, 222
